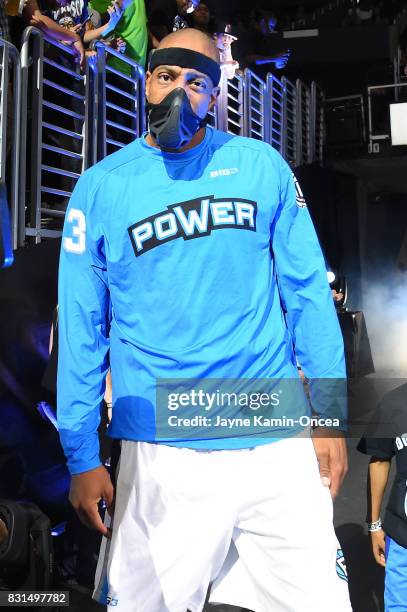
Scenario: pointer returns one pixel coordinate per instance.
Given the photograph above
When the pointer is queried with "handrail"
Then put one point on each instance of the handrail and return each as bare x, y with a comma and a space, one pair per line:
290, 122
317, 122
255, 94
275, 104
110, 112
303, 144
50, 134
10, 55
26, 62
136, 115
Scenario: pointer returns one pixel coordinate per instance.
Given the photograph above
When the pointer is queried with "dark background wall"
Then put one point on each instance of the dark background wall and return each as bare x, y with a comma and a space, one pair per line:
32, 465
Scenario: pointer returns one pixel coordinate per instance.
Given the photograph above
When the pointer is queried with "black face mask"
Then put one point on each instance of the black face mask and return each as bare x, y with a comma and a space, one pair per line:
172, 122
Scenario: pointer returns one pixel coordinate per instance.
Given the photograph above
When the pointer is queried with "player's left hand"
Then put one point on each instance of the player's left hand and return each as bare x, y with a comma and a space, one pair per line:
332, 455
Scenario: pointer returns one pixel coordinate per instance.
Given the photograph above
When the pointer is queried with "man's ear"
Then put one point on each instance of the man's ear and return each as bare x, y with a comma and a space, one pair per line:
214, 97
147, 86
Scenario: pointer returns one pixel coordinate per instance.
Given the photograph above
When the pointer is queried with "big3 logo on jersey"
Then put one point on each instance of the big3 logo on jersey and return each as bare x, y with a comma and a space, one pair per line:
192, 219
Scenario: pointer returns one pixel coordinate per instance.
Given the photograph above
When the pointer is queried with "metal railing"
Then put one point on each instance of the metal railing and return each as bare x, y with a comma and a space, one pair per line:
10, 125
290, 122
212, 118
72, 119
233, 109
119, 107
57, 132
304, 154
255, 94
213, 115
275, 112
317, 122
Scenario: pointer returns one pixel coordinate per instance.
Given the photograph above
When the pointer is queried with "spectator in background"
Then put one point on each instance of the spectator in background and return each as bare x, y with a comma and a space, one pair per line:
224, 40
67, 21
166, 16
57, 19
257, 49
201, 19
73, 16
109, 38
132, 29
94, 28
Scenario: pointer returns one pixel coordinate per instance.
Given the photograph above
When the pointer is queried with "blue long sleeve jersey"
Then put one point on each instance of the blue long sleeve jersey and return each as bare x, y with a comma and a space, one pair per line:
203, 264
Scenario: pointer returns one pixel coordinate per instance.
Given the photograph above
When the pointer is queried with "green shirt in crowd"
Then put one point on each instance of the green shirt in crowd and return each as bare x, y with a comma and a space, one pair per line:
132, 27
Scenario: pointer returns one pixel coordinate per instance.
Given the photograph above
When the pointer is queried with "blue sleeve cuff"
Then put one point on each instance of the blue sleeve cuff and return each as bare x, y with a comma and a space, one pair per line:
82, 452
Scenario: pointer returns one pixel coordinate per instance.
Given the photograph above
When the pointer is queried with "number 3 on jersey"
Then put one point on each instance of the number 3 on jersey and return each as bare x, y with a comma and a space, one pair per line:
76, 243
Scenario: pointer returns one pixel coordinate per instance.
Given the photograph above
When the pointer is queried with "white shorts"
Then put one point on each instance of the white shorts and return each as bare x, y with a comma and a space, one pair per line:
256, 524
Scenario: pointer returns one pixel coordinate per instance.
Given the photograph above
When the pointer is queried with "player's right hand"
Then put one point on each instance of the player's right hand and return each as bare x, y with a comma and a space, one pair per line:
87, 489
378, 540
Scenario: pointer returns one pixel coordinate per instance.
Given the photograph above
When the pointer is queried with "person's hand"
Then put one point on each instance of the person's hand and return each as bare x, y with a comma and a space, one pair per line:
281, 59
330, 449
34, 21
87, 489
79, 50
115, 7
76, 28
115, 11
337, 296
119, 44
378, 540
116, 43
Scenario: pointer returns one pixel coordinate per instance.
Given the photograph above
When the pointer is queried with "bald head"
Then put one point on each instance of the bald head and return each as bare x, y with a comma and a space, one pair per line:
191, 39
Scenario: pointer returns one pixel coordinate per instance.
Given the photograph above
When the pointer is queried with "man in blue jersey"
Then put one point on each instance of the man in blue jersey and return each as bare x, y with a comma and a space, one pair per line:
189, 259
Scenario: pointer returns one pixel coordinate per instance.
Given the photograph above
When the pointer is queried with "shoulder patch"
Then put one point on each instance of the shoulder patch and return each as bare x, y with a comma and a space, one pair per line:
299, 195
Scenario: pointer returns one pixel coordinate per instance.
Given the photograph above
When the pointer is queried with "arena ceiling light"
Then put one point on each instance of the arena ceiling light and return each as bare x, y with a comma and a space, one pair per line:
331, 276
